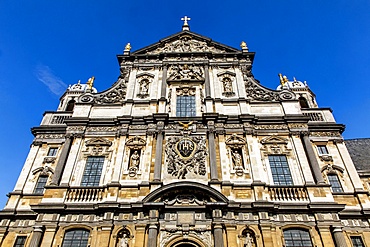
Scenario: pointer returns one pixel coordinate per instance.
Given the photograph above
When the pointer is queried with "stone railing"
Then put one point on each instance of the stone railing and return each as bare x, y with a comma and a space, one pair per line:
288, 194
319, 115
85, 194
55, 118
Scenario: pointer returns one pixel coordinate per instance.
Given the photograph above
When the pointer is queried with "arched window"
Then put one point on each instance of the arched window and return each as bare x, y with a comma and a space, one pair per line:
334, 182
303, 102
70, 105
76, 238
297, 237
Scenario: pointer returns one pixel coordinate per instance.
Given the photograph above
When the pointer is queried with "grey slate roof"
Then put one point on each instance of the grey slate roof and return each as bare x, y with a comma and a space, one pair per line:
359, 149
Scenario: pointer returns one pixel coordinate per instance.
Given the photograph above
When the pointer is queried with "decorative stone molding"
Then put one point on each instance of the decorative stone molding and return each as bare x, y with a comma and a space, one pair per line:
271, 127
49, 160
50, 136
44, 171
185, 91
275, 145
101, 129
326, 134
136, 143
97, 147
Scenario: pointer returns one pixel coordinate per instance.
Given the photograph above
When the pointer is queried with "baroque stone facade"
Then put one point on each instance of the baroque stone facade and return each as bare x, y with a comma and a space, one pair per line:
187, 148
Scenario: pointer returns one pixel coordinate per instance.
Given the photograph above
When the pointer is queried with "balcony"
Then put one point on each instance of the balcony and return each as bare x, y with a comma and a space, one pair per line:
288, 194
85, 194
319, 114
55, 118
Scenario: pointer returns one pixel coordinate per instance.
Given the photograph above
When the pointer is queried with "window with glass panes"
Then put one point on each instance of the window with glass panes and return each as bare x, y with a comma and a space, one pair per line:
52, 151
76, 238
185, 106
357, 241
297, 237
93, 169
335, 183
20, 241
40, 185
280, 170
322, 149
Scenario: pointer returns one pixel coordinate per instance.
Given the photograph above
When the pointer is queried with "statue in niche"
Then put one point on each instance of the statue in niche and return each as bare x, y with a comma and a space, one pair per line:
144, 87
135, 159
123, 239
248, 242
237, 159
228, 87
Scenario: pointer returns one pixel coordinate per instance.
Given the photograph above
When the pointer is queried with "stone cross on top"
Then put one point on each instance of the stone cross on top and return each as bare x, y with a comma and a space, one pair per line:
186, 25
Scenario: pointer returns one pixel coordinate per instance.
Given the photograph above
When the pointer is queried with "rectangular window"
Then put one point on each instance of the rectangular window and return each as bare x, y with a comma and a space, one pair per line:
322, 149
335, 183
52, 151
40, 185
20, 241
280, 170
93, 170
357, 241
185, 106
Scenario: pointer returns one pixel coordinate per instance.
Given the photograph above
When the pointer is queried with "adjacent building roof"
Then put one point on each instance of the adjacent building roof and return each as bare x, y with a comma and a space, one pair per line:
359, 150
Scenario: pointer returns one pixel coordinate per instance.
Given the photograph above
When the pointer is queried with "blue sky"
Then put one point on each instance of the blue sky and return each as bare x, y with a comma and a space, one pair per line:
47, 45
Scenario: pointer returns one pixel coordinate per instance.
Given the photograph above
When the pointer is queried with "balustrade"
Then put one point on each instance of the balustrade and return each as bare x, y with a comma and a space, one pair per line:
288, 194
85, 194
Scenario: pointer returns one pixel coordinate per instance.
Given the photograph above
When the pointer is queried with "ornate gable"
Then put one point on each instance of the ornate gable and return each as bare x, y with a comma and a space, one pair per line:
184, 42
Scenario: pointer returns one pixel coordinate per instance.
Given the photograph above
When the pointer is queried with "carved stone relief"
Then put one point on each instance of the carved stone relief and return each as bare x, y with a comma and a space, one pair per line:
179, 72
97, 147
186, 156
185, 91
256, 92
186, 44
226, 80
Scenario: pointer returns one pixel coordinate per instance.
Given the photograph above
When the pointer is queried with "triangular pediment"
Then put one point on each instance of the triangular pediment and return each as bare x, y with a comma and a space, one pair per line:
274, 140
185, 42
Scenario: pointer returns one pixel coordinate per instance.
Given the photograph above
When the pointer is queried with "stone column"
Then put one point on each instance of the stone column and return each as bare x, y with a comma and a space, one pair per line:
36, 236
218, 235
212, 151
152, 235
339, 238
62, 161
164, 82
207, 83
315, 167
158, 157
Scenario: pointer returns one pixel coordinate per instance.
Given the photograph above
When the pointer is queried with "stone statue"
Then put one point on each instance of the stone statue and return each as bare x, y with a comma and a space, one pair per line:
237, 158
135, 159
144, 87
123, 242
248, 240
228, 87
90, 82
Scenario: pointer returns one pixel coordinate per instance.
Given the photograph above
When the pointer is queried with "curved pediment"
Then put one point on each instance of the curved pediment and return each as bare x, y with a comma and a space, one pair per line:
185, 41
274, 140
186, 193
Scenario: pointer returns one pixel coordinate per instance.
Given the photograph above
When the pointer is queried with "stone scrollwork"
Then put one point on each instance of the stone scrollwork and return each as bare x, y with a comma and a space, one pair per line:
186, 91
256, 92
186, 156
115, 95
180, 72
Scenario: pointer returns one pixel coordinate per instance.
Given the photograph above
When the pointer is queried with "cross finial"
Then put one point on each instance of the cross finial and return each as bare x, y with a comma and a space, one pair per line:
186, 25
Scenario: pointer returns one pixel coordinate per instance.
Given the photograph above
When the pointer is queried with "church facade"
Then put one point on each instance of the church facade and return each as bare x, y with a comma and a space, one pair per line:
187, 148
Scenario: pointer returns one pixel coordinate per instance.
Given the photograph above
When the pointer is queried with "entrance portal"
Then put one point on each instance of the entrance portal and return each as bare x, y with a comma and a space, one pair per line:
185, 243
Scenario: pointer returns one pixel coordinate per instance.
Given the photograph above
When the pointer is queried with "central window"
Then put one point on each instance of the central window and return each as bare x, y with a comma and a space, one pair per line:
185, 106
93, 169
76, 238
280, 170
297, 237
